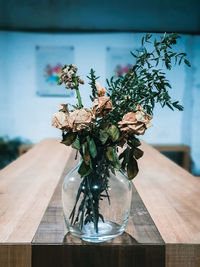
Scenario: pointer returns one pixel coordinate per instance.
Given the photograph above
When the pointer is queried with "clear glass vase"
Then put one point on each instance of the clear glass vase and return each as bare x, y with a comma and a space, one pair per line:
113, 208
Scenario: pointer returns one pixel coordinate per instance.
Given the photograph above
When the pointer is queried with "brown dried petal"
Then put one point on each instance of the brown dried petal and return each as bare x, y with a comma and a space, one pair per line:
100, 90
102, 106
137, 129
80, 119
81, 81
60, 120
135, 122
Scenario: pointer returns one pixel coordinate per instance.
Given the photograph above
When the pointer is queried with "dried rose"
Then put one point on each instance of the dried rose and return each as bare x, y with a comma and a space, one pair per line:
135, 122
143, 116
60, 120
100, 90
68, 75
80, 119
101, 106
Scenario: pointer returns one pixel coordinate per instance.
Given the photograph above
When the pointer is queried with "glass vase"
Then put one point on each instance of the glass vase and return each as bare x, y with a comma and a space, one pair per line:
114, 210
112, 207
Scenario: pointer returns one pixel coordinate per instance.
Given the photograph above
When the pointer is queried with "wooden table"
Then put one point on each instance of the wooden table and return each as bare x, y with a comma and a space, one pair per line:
163, 229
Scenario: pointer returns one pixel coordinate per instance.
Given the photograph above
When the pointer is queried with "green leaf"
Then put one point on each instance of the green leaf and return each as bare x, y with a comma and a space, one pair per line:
84, 169
178, 106
125, 155
135, 142
138, 153
132, 168
116, 162
168, 85
110, 154
142, 40
180, 60
86, 158
68, 138
76, 144
103, 136
114, 133
108, 83
169, 105
85, 153
84, 147
187, 62
122, 155
92, 148
133, 54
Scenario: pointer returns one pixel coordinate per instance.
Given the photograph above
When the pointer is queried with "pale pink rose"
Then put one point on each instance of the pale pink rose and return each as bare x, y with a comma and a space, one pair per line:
80, 119
101, 106
100, 90
135, 122
60, 120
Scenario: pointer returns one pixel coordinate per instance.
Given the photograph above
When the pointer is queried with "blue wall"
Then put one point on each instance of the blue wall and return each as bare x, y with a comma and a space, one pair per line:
24, 113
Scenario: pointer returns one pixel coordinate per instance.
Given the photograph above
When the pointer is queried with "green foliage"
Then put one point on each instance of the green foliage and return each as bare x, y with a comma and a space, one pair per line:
86, 153
103, 136
146, 83
93, 188
84, 169
92, 147
132, 168
68, 138
125, 156
110, 154
113, 133
138, 153
92, 83
129, 163
76, 144
134, 142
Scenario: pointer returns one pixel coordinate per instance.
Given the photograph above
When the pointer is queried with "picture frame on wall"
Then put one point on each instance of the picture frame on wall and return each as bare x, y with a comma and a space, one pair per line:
49, 62
118, 61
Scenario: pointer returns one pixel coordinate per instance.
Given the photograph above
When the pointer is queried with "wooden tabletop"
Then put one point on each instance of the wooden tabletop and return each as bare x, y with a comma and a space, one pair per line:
163, 229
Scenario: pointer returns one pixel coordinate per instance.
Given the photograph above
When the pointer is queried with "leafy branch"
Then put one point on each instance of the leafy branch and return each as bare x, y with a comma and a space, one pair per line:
92, 77
146, 83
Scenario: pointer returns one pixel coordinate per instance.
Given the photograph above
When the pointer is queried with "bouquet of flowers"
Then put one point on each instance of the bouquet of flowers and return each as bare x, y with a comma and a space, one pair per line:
119, 114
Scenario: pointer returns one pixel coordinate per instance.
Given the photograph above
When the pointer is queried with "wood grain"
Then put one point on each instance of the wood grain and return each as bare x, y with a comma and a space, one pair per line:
96, 256
171, 196
26, 187
141, 245
17, 255
182, 255
51, 228
163, 230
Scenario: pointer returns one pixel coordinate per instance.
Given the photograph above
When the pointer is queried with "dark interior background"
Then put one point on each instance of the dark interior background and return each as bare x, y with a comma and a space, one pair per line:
91, 15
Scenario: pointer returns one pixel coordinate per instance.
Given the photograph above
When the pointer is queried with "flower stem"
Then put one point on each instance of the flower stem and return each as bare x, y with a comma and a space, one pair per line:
78, 94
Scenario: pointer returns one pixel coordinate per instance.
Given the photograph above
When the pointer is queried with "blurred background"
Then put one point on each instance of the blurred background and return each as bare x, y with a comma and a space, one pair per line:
38, 37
